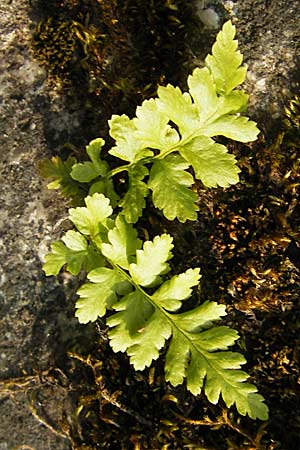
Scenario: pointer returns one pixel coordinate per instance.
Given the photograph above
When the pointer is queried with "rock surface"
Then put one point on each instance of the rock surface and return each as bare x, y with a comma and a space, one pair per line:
34, 312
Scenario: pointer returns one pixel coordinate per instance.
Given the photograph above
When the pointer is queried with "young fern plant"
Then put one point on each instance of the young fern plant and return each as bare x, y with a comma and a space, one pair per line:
170, 142
129, 281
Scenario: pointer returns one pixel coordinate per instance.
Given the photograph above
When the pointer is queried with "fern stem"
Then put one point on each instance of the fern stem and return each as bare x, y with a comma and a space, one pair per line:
117, 170
179, 144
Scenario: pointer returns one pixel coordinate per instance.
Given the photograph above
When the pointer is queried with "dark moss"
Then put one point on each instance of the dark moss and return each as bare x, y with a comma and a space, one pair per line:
124, 48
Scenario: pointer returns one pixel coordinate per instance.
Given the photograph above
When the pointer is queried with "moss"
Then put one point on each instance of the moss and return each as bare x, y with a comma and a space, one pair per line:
129, 46
69, 49
291, 123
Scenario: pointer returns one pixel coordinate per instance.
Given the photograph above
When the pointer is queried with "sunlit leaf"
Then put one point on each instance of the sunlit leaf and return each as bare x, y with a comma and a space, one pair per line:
212, 163
171, 184
74, 252
98, 295
151, 261
123, 243
91, 220
225, 63
128, 146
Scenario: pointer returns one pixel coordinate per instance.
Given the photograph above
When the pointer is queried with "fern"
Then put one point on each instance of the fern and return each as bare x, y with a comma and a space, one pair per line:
134, 281
164, 148
170, 142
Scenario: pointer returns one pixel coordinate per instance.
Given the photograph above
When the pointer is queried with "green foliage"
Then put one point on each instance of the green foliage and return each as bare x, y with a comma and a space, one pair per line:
170, 185
169, 139
93, 218
75, 252
133, 202
133, 281
60, 173
170, 142
89, 170
94, 172
225, 61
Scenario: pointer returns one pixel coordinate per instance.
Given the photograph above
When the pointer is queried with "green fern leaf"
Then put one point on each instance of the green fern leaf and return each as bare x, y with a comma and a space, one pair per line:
211, 162
123, 243
178, 288
92, 219
129, 147
74, 252
202, 317
149, 340
210, 105
225, 63
233, 127
138, 329
133, 202
133, 311
100, 294
234, 102
89, 170
170, 185
84, 172
178, 107
197, 356
151, 261
149, 118
203, 90
122, 130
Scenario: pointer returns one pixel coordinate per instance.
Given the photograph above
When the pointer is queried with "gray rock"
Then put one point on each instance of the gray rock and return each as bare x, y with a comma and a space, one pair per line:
32, 310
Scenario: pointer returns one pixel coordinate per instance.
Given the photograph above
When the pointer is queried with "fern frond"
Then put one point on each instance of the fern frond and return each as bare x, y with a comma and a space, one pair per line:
133, 282
100, 294
169, 135
170, 185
